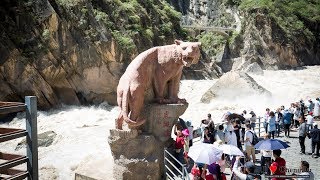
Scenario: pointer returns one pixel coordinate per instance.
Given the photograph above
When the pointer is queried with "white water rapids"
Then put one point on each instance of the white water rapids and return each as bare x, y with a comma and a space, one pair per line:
82, 132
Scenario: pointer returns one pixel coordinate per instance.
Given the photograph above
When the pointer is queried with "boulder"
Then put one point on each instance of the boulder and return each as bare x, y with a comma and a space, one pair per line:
254, 68
45, 139
233, 81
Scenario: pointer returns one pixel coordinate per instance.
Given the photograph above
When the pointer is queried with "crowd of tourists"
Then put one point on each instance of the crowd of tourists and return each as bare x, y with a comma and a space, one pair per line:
239, 130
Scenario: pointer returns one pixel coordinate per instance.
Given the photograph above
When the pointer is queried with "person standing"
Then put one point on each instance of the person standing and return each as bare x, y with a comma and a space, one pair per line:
190, 129
186, 146
301, 107
266, 117
179, 145
266, 157
207, 138
220, 135
291, 110
316, 109
296, 116
206, 123
253, 120
236, 129
248, 138
311, 106
310, 121
279, 121
314, 134
231, 137
287, 122
272, 124
302, 135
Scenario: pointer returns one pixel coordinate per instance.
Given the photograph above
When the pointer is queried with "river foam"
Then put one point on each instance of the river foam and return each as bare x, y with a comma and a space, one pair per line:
82, 132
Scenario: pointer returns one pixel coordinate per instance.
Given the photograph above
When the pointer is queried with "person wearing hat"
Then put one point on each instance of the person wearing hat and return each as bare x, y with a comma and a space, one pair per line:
185, 133
249, 168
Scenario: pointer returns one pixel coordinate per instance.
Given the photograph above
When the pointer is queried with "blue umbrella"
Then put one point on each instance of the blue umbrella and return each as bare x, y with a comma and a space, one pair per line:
271, 144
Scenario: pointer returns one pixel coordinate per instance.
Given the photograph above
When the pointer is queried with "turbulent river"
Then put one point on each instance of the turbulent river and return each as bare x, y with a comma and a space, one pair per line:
82, 132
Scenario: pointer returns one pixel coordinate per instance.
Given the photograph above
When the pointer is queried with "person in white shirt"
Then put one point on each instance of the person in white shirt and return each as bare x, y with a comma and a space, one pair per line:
291, 110
246, 115
266, 157
248, 136
266, 117
231, 137
220, 135
316, 109
310, 121
305, 171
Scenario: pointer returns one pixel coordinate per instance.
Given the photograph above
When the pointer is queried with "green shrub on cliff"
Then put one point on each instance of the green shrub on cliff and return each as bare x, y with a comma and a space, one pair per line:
211, 42
298, 17
125, 41
135, 25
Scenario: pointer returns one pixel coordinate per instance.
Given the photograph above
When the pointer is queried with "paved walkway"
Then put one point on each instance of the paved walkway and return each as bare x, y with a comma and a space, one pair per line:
292, 155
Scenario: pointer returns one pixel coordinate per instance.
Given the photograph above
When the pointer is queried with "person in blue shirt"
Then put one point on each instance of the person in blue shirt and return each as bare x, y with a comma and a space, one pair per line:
287, 122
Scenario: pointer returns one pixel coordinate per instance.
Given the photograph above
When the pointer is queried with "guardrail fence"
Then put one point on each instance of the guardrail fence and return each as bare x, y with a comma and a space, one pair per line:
173, 168
9, 161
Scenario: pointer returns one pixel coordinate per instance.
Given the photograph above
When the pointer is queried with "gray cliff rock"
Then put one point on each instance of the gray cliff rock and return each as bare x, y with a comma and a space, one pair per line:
233, 81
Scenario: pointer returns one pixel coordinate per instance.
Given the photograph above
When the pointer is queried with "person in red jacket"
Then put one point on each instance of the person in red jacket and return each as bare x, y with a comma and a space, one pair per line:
178, 145
280, 165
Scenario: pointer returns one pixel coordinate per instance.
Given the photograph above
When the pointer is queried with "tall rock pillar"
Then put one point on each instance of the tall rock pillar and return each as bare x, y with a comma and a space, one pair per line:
139, 155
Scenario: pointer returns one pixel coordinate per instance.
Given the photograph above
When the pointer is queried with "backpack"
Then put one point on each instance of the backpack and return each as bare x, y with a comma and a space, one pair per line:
255, 138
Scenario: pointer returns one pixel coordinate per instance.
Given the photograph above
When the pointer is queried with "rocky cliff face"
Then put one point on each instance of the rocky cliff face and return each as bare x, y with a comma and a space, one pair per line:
273, 34
74, 52
264, 42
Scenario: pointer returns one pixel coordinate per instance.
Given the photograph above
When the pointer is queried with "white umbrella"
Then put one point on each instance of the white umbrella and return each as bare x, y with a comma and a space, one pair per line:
204, 153
229, 149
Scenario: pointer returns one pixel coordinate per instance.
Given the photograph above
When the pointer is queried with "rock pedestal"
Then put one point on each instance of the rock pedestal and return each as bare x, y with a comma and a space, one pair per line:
139, 155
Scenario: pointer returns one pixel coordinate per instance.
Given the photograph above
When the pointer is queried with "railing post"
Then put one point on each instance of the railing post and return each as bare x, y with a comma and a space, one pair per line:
259, 125
164, 163
32, 137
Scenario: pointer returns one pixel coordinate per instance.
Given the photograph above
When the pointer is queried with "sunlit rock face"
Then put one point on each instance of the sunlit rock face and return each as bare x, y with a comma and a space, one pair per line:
74, 52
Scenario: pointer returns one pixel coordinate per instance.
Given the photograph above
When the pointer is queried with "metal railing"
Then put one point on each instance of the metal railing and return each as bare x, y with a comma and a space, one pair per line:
7, 170
171, 169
